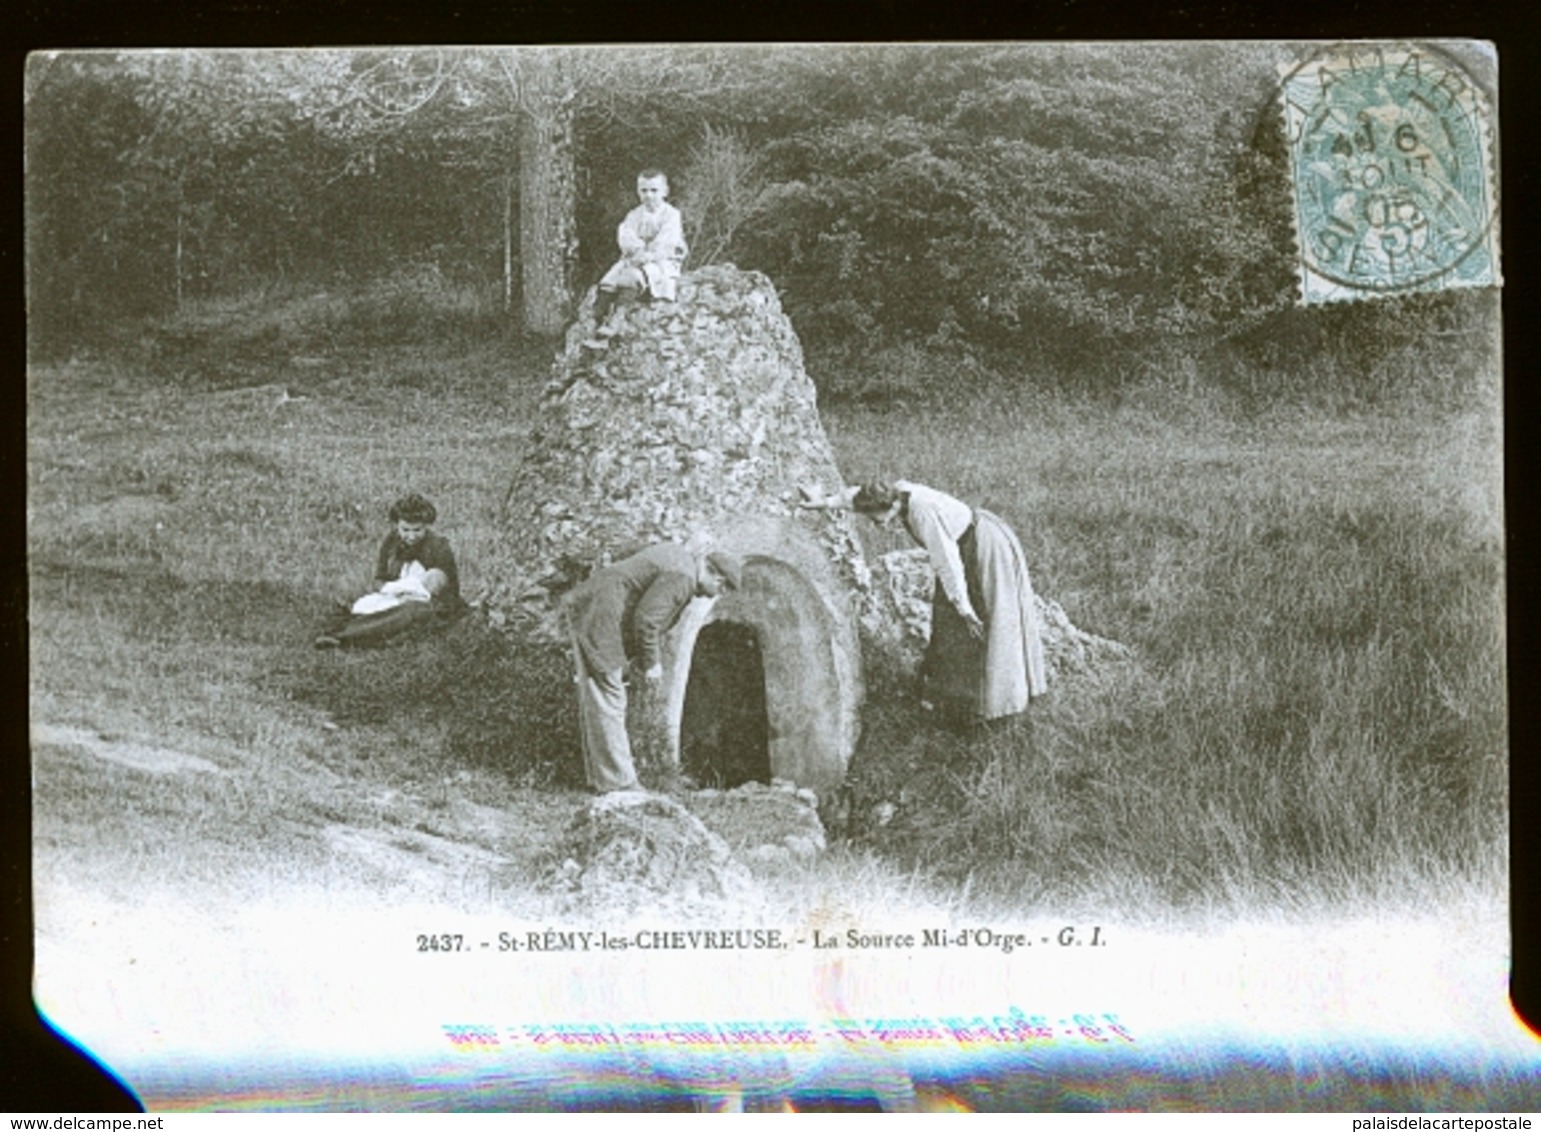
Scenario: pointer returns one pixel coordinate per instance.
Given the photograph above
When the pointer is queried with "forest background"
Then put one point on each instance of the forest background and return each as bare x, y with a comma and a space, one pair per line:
935, 218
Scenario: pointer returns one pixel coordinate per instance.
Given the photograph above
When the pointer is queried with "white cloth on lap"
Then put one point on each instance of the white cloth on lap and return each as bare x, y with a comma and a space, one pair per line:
652, 251
409, 587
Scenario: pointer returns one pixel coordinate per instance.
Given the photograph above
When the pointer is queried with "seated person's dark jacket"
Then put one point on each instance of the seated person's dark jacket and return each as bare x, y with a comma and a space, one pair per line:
434, 552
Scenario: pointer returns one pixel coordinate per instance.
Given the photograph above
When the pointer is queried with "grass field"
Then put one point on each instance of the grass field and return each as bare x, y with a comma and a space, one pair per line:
1317, 711
1315, 602
1314, 723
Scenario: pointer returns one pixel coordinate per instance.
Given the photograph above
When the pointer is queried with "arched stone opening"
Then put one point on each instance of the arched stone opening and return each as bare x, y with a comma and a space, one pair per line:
762, 657
724, 726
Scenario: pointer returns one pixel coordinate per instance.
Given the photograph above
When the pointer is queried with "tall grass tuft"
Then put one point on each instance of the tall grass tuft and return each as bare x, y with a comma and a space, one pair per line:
723, 185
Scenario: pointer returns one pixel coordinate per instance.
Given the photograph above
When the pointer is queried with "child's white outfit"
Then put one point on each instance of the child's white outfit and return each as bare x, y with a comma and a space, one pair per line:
652, 243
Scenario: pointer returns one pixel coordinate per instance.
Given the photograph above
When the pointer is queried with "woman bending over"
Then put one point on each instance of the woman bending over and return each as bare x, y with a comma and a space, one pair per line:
985, 656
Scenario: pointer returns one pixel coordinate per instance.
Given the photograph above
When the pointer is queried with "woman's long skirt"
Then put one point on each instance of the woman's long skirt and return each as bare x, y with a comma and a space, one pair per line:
995, 677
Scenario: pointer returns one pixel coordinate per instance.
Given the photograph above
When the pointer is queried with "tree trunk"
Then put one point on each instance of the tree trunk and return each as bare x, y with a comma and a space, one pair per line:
547, 191
508, 244
179, 256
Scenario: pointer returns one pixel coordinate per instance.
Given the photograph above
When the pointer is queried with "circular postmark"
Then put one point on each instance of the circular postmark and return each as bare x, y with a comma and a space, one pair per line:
1390, 167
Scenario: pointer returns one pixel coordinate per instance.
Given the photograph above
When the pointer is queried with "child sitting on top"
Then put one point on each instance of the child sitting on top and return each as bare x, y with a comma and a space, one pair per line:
652, 239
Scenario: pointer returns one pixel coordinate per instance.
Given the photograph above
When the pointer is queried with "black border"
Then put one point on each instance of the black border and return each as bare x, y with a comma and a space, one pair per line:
40, 1071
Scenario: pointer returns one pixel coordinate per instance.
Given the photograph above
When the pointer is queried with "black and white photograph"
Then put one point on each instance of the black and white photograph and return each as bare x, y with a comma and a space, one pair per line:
945, 577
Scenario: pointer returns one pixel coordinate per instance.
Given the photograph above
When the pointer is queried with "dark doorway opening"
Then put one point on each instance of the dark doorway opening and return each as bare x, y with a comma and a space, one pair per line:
724, 728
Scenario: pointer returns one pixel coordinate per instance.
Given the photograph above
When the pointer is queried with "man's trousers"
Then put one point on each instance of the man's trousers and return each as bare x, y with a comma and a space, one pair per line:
607, 759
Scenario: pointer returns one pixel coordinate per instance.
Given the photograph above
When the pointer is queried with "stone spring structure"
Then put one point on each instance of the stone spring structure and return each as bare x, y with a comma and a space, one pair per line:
696, 425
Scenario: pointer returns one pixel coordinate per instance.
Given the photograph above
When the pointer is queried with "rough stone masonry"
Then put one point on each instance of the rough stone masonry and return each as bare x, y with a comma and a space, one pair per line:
697, 425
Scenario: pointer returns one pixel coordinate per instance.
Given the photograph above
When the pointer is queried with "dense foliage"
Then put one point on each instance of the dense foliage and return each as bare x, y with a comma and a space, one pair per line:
931, 215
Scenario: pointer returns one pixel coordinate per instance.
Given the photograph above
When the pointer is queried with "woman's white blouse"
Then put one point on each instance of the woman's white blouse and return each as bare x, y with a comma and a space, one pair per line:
937, 521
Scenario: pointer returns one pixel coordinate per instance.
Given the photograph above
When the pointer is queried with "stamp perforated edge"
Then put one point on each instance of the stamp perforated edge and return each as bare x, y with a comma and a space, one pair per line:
1311, 289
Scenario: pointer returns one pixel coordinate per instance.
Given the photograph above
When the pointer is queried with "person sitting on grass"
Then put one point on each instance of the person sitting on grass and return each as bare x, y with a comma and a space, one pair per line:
416, 582
652, 239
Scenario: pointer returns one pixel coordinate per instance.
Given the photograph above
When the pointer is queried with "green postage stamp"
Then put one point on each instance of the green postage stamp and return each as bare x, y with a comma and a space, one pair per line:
1391, 164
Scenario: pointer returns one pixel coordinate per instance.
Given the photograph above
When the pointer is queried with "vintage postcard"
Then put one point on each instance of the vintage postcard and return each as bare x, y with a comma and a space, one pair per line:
880, 577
